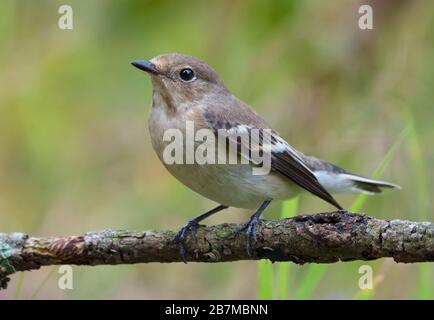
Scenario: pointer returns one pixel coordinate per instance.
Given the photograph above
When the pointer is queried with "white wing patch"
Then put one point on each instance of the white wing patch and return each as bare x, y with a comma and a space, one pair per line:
282, 146
278, 144
240, 129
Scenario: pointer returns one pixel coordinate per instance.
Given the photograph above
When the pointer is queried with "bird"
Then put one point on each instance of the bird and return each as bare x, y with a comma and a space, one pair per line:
187, 89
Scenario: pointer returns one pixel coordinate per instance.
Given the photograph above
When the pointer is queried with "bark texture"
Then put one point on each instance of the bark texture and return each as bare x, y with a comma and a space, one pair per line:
320, 238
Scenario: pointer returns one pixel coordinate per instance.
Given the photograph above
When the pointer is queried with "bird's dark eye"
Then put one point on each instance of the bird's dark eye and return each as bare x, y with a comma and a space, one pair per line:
187, 74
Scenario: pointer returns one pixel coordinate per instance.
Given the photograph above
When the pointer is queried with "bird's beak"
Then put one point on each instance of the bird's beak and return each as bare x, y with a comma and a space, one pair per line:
145, 65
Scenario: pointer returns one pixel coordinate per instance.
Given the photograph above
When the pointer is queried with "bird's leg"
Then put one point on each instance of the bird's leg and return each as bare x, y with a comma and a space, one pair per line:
251, 226
191, 225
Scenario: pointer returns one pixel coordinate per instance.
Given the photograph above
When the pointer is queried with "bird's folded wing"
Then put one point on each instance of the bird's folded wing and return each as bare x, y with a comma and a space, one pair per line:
284, 159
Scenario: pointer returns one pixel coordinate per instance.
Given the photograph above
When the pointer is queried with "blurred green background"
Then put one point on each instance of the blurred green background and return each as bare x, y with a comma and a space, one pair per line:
75, 153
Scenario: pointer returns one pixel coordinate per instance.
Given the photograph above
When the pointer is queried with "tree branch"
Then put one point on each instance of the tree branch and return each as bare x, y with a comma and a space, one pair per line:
320, 238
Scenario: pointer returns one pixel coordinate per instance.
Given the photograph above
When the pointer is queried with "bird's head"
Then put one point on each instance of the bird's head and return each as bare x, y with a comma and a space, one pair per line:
181, 79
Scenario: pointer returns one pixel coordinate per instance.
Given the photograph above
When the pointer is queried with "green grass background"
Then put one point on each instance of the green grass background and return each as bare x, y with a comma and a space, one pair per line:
75, 153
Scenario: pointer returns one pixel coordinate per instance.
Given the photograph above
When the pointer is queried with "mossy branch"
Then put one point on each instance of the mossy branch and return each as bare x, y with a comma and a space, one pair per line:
320, 238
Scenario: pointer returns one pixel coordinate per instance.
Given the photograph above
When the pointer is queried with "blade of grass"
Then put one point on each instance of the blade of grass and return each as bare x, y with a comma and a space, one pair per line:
19, 286
310, 281
364, 294
315, 272
265, 272
289, 209
42, 283
283, 269
361, 198
367, 294
425, 280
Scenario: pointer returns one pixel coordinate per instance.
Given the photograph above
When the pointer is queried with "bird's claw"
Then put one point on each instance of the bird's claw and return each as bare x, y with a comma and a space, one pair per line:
250, 229
181, 236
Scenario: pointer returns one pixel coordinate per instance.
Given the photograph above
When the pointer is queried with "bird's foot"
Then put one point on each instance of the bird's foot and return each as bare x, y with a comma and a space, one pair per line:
181, 236
250, 231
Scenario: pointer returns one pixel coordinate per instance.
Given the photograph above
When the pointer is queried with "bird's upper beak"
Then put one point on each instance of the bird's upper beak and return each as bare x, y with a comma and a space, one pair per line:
145, 65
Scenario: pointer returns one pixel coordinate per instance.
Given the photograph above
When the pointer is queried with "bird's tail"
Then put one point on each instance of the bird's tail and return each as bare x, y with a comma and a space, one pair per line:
344, 182
370, 186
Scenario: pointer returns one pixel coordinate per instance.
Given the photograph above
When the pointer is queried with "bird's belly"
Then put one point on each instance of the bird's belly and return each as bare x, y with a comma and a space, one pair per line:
233, 185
